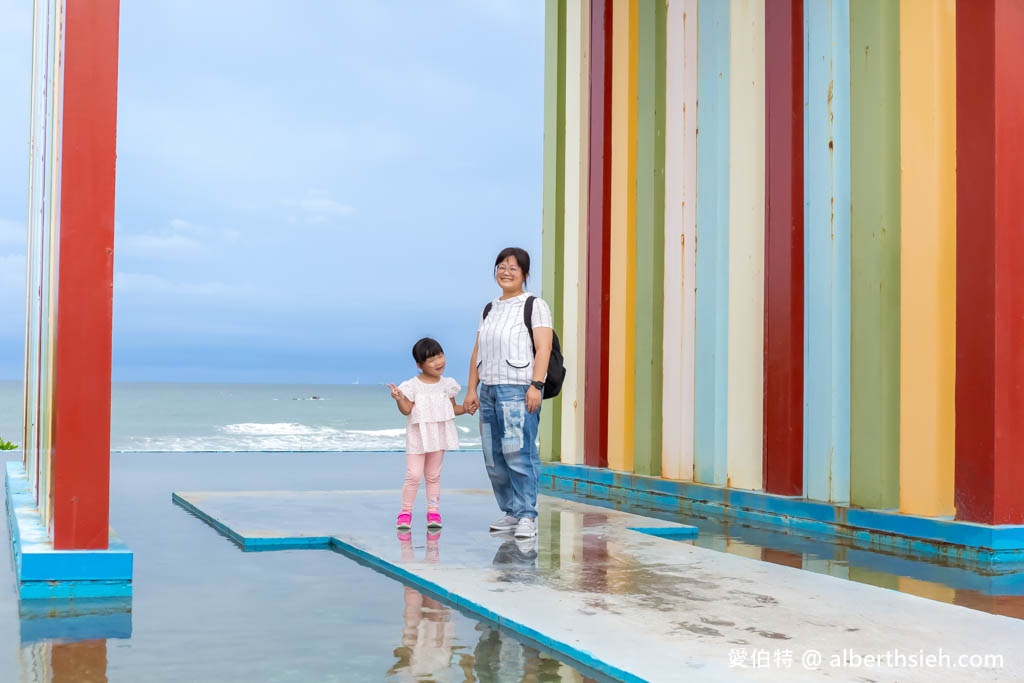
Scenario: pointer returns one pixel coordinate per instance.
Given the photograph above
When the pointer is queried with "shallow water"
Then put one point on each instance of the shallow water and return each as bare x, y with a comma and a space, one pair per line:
994, 588
204, 611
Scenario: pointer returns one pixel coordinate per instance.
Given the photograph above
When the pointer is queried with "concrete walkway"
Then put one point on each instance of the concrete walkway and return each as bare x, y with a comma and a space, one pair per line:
633, 605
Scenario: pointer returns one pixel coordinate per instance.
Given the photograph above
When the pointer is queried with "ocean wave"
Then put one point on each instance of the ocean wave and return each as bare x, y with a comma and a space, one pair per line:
379, 432
275, 437
276, 429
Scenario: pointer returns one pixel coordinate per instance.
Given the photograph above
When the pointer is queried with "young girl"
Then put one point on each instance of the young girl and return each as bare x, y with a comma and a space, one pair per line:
428, 402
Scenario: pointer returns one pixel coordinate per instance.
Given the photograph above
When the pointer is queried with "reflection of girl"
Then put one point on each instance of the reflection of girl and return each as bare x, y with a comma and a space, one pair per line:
426, 649
511, 376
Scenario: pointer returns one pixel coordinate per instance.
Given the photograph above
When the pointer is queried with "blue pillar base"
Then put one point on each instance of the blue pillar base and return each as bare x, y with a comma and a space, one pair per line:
43, 572
959, 542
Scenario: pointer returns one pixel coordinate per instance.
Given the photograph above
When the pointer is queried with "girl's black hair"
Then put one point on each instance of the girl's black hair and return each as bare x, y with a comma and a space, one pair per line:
521, 256
426, 348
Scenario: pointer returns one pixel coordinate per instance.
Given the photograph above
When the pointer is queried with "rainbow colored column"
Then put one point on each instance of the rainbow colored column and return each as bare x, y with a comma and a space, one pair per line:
793, 286
989, 483
71, 245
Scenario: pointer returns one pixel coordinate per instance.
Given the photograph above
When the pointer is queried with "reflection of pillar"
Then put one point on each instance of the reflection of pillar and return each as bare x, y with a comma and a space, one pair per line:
782, 557
549, 538
989, 478
56, 662
83, 662
1007, 605
594, 577
73, 477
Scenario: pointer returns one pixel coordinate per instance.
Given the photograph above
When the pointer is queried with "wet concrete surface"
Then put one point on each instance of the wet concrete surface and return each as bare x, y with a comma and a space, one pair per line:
634, 604
203, 611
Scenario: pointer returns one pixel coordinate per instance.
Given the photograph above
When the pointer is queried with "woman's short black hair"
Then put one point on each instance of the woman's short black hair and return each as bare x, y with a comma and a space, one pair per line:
521, 256
426, 348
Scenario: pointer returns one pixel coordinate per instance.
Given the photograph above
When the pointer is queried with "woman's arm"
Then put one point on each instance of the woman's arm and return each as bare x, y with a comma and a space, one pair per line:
471, 402
542, 339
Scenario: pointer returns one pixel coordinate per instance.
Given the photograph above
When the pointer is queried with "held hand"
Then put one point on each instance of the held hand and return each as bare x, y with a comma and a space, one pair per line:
472, 403
533, 399
395, 392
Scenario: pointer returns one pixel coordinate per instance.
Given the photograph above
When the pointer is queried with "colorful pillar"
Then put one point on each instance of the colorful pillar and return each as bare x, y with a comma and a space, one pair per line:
553, 225
745, 399
622, 272
826, 424
710, 434
927, 255
650, 239
680, 233
784, 248
990, 248
595, 407
81, 395
59, 497
573, 335
875, 253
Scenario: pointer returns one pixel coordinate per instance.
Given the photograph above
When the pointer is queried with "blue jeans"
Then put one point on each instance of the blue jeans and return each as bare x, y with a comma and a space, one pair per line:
508, 435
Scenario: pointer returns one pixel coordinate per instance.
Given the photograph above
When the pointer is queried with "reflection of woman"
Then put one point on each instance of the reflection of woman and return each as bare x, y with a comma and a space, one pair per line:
426, 648
512, 383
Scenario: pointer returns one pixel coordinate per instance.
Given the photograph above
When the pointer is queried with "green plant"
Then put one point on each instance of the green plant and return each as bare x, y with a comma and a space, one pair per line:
7, 445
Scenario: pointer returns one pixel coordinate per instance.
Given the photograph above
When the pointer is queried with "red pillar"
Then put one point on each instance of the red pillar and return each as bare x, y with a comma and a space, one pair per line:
784, 248
81, 426
595, 388
990, 248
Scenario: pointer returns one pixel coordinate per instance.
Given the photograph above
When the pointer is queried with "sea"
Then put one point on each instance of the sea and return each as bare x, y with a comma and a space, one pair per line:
166, 417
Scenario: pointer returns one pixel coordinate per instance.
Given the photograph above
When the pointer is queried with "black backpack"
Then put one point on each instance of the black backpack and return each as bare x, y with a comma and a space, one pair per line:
556, 364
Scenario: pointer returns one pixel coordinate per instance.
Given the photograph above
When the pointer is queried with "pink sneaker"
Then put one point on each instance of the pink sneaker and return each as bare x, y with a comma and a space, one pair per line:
404, 520
434, 520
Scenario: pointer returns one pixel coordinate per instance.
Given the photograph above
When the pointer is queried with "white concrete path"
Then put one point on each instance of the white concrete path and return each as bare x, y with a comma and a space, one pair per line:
656, 608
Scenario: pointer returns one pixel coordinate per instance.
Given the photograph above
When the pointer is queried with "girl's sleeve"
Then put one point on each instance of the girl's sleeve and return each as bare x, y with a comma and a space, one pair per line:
453, 388
406, 388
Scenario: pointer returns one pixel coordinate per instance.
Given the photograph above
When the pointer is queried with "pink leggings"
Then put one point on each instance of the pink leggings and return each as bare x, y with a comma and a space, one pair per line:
417, 467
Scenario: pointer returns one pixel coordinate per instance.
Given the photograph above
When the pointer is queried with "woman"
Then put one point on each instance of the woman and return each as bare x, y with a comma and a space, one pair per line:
511, 376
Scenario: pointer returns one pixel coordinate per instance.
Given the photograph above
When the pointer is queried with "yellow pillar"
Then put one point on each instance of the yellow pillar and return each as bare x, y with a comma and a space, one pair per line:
622, 290
927, 255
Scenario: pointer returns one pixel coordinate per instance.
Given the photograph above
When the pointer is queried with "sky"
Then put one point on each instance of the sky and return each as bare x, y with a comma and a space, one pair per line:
304, 189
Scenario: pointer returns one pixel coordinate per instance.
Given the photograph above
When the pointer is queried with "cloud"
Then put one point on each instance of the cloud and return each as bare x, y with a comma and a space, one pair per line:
147, 284
171, 246
316, 210
179, 240
182, 225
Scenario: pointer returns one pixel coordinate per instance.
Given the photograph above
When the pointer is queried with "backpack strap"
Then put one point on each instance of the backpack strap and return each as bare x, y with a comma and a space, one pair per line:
528, 319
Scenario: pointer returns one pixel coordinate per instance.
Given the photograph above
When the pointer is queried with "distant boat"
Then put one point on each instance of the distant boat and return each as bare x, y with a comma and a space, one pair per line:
357, 381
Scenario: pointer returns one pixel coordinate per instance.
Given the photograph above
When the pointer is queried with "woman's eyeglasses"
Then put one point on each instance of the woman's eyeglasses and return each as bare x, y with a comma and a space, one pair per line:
506, 269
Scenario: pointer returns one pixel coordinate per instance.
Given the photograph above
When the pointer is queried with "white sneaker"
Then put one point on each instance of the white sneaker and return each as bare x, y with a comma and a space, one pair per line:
527, 528
506, 523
